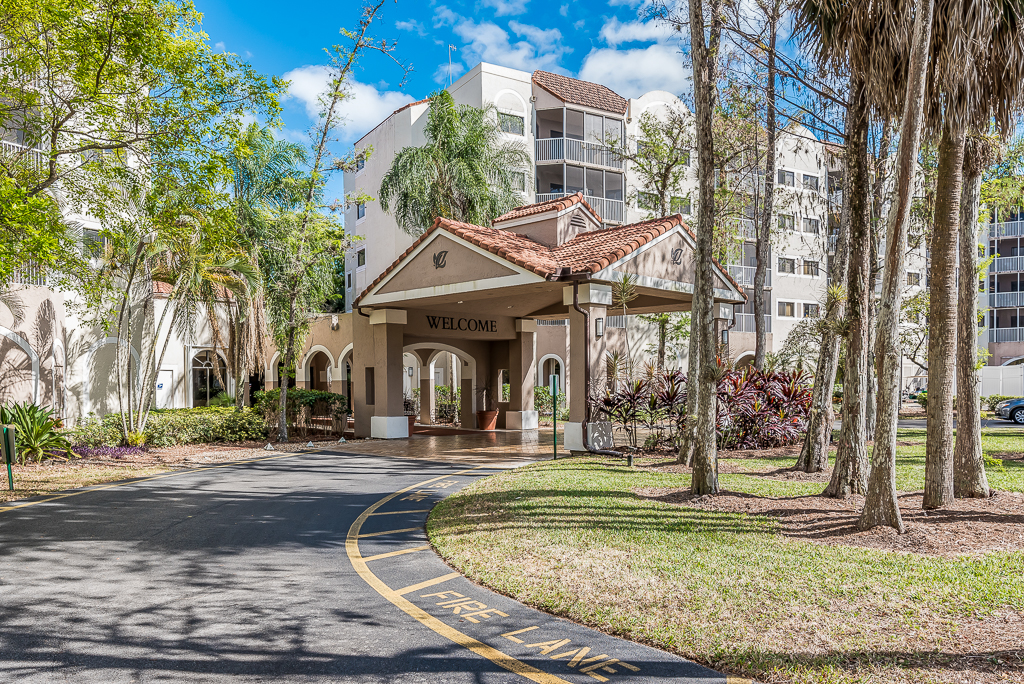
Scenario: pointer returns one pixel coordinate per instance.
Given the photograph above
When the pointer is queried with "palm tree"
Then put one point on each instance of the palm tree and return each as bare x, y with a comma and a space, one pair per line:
467, 170
263, 171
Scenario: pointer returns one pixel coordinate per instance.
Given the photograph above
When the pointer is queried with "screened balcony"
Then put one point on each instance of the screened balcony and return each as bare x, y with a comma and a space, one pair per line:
602, 189
566, 135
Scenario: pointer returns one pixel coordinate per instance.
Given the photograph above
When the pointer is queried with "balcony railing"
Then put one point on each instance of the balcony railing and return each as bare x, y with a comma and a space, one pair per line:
745, 322
1007, 264
1003, 299
12, 150
1007, 229
610, 211
744, 275
568, 149
1006, 334
30, 274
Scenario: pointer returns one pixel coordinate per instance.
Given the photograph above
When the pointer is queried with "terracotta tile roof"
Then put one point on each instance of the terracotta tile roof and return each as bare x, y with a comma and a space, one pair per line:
586, 253
556, 204
575, 91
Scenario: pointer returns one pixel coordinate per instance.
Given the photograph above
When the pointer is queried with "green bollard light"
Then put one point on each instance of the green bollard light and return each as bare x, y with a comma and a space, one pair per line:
7, 446
553, 382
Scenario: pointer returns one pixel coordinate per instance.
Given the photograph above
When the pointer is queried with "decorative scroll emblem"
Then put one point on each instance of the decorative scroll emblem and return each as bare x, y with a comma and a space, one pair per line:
677, 256
439, 259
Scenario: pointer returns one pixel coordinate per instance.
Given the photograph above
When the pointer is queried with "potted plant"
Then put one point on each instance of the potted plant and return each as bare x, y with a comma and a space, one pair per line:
487, 417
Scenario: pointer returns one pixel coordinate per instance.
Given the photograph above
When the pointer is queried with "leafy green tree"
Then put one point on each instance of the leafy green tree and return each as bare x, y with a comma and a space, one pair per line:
98, 97
468, 170
299, 262
673, 331
659, 157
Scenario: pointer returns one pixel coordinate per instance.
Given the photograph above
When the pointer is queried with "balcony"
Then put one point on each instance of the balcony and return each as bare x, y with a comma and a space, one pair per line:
11, 150
580, 151
610, 211
30, 274
745, 229
1007, 264
1006, 334
998, 300
745, 322
744, 275
1007, 229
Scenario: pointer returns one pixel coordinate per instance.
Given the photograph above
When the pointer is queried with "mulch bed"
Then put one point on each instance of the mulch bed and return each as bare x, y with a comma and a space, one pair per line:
967, 527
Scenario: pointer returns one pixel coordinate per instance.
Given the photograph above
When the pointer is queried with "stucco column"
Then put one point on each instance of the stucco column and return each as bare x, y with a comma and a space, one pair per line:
594, 299
522, 365
467, 412
362, 398
426, 395
388, 420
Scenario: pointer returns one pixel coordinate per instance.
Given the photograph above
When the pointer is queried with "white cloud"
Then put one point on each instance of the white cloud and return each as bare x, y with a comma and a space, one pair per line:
564, 10
365, 108
656, 67
616, 32
506, 7
488, 42
219, 46
411, 25
442, 72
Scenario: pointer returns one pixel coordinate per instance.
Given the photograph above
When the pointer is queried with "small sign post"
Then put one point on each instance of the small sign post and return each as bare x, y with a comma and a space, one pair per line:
553, 382
7, 447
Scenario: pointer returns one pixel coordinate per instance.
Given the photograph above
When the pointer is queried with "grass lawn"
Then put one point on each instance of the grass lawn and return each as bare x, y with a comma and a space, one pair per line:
574, 538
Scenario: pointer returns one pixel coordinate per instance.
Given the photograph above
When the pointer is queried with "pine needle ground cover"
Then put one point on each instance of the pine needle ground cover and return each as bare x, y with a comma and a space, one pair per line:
586, 539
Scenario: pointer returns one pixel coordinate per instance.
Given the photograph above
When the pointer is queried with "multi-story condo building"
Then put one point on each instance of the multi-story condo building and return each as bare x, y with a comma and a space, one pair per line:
570, 129
1004, 289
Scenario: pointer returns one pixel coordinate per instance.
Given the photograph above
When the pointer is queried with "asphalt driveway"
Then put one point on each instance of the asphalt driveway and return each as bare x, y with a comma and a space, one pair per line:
310, 567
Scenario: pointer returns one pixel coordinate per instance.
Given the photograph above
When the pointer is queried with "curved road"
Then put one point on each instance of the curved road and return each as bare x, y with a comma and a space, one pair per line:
309, 567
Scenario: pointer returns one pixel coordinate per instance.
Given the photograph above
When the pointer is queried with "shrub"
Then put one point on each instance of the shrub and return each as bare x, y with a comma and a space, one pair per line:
542, 401
995, 399
169, 427
922, 398
109, 452
302, 405
37, 434
757, 409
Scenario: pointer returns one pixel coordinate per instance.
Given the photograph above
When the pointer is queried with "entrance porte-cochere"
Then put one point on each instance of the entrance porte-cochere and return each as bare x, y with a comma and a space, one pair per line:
479, 292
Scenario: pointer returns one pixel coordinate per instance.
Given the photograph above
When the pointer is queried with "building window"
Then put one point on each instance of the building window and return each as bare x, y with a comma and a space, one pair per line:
360, 210
787, 309
787, 178
360, 258
914, 279
206, 378
92, 243
686, 158
519, 180
360, 163
811, 268
510, 123
810, 183
811, 225
810, 310
349, 280
786, 222
647, 200
787, 265
681, 205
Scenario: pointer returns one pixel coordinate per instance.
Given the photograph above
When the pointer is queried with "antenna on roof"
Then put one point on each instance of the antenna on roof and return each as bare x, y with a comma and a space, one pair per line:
450, 49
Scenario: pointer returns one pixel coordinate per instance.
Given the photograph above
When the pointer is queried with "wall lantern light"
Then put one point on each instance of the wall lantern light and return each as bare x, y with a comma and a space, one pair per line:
410, 371
599, 327
725, 337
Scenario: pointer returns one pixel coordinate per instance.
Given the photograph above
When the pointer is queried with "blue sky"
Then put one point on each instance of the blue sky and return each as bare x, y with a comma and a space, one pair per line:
601, 41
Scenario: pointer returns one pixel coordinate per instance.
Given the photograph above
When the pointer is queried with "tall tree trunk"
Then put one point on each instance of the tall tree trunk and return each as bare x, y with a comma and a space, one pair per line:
880, 504
814, 452
705, 60
692, 365
662, 337
850, 475
942, 316
764, 226
877, 204
969, 479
